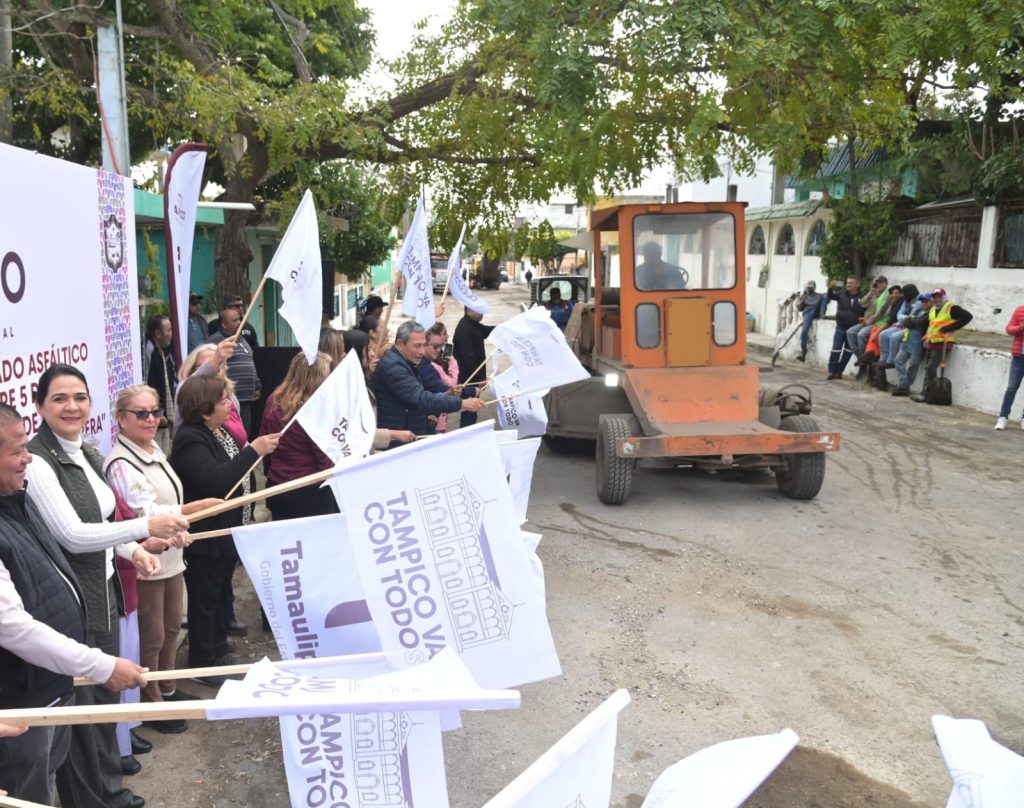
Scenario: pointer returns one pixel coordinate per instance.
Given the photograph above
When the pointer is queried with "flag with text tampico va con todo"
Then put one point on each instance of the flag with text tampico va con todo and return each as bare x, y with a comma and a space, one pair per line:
414, 264
442, 561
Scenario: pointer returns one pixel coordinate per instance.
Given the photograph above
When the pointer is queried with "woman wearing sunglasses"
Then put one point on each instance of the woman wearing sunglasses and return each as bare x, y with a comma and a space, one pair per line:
139, 473
66, 484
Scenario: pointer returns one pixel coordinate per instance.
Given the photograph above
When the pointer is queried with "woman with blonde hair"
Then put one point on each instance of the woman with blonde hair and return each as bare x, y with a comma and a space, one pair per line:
297, 455
332, 343
139, 473
211, 359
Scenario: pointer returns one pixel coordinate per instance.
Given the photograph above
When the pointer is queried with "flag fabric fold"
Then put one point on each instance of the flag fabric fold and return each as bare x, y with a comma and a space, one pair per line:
184, 183
297, 267
441, 559
723, 775
524, 413
538, 351
518, 458
414, 264
339, 416
577, 770
985, 773
457, 285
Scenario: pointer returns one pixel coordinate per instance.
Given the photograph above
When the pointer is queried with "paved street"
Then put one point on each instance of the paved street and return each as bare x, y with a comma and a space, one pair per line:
728, 610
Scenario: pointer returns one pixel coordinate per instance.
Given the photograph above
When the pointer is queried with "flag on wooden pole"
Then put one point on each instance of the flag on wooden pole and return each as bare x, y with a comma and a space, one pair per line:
339, 416
441, 558
414, 264
457, 283
525, 413
538, 351
297, 267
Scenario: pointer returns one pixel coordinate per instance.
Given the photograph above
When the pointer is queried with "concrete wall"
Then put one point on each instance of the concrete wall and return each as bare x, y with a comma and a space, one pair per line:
990, 293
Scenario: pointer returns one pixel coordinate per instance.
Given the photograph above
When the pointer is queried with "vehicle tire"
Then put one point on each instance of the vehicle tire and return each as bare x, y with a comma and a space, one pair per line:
804, 472
614, 474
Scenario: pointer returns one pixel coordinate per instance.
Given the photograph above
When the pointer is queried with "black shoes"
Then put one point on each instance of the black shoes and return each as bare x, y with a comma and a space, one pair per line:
801, 357
130, 766
136, 801
834, 376
169, 726
901, 391
140, 746
238, 629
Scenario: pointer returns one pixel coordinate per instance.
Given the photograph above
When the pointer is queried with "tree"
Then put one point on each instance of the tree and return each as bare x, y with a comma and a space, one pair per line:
517, 99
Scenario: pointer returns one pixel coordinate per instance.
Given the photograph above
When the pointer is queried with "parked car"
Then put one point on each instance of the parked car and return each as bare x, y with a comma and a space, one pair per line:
439, 271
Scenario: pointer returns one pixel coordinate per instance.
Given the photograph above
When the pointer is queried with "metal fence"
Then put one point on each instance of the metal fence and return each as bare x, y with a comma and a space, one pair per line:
940, 238
1010, 236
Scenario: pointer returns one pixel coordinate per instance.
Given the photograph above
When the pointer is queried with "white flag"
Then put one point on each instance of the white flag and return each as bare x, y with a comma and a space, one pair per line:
538, 351
985, 773
339, 416
414, 264
270, 688
457, 285
305, 576
441, 558
577, 770
525, 413
723, 775
181, 195
297, 267
518, 458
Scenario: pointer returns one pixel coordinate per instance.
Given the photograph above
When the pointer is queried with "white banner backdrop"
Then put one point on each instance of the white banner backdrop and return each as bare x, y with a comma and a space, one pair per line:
68, 284
442, 560
184, 184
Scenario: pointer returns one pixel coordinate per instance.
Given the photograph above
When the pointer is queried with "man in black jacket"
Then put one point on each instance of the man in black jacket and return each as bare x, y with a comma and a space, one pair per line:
402, 400
848, 313
469, 351
42, 626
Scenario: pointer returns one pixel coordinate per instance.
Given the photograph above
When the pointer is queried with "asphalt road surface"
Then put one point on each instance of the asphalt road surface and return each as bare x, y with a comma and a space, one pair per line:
727, 610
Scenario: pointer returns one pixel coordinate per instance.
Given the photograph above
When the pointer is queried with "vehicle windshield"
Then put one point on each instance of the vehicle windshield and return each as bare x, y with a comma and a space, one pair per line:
684, 251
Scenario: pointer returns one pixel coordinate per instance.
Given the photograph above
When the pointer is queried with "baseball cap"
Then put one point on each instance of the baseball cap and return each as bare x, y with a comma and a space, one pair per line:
925, 296
373, 301
194, 298
938, 292
228, 301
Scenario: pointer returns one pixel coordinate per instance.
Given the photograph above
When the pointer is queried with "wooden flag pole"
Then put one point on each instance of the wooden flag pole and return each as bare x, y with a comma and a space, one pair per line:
258, 459
469, 378
252, 305
291, 485
444, 294
209, 534
14, 802
387, 315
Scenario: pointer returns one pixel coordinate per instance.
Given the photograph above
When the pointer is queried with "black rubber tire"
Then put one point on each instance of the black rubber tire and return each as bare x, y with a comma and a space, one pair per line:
614, 474
804, 472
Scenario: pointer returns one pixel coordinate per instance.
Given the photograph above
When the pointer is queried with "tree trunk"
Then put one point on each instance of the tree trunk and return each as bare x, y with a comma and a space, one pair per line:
233, 254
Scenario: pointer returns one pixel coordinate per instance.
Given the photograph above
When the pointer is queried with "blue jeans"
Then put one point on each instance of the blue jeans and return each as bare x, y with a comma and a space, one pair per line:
809, 317
853, 334
908, 360
841, 353
1016, 376
889, 344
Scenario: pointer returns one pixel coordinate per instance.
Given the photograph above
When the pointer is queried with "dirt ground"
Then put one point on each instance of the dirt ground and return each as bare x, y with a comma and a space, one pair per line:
727, 610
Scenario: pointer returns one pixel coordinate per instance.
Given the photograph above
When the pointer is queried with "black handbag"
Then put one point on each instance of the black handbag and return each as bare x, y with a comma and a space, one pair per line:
940, 391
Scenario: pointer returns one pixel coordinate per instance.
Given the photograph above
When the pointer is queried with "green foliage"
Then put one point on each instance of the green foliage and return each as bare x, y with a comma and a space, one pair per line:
1000, 177
859, 236
341, 191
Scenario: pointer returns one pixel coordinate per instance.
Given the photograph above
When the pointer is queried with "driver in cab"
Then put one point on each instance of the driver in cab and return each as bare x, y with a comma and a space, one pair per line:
654, 274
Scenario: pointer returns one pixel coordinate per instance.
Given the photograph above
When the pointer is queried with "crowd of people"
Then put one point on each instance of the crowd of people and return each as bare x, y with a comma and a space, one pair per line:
894, 327
97, 556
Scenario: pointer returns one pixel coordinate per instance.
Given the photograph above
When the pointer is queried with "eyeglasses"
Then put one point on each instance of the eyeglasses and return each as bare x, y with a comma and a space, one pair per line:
142, 415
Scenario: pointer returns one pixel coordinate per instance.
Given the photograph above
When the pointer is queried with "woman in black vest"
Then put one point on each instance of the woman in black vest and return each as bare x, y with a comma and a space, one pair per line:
209, 462
66, 484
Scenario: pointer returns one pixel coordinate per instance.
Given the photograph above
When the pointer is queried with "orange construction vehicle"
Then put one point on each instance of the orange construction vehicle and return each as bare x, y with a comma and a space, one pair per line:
666, 345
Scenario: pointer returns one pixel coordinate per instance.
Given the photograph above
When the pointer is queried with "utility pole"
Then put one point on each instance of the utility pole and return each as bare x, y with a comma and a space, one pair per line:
6, 67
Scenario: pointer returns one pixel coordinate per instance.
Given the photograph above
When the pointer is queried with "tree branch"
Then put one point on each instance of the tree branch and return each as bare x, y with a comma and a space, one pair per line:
178, 33
301, 33
463, 80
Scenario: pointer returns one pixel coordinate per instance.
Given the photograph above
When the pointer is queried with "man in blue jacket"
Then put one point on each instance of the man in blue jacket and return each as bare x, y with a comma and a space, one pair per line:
402, 400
